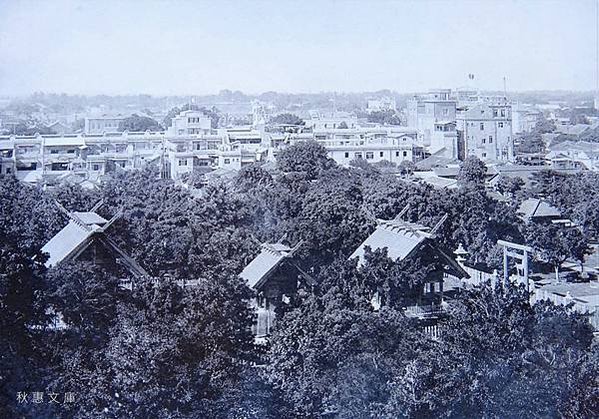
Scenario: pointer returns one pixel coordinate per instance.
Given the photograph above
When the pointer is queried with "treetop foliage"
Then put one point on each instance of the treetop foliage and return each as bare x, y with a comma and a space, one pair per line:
167, 350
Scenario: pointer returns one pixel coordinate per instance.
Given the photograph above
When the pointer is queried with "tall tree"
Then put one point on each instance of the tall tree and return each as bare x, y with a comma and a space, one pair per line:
286, 119
472, 172
307, 158
136, 123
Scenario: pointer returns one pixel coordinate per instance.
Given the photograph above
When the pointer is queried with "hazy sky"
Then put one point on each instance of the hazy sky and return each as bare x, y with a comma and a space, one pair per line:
199, 47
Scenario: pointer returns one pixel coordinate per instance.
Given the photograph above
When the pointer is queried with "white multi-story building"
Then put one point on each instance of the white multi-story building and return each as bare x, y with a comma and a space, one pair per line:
433, 115
392, 144
190, 123
524, 118
485, 130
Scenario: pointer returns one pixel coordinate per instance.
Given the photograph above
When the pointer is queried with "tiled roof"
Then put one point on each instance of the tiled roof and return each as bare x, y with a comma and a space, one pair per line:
436, 181
400, 238
536, 208
269, 258
573, 129
66, 242
75, 237
435, 161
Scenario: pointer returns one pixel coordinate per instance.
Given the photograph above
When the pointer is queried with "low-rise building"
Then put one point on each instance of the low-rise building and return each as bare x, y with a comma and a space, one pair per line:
102, 124
331, 120
573, 155
385, 103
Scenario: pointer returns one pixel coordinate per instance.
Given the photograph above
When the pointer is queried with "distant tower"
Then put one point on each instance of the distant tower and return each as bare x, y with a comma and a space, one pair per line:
258, 113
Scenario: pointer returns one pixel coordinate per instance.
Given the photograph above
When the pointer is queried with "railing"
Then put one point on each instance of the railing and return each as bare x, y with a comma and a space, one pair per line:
424, 311
433, 331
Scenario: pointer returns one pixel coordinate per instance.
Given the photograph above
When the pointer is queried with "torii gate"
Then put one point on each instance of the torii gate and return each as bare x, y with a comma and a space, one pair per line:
513, 250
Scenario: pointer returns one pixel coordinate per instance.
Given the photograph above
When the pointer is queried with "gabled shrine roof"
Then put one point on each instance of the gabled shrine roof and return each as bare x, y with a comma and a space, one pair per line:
537, 208
269, 258
78, 234
66, 242
399, 237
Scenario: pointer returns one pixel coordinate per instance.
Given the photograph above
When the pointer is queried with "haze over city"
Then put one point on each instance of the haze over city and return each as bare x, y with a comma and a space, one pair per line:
185, 47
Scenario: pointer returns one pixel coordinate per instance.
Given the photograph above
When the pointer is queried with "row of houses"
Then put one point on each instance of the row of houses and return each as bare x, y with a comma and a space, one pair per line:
189, 145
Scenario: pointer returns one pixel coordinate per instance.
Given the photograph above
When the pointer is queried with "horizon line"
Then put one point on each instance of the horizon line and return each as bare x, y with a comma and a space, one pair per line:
323, 92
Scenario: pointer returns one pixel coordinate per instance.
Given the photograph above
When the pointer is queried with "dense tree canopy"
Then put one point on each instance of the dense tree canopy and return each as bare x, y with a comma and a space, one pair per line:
472, 172
388, 117
138, 123
286, 119
179, 344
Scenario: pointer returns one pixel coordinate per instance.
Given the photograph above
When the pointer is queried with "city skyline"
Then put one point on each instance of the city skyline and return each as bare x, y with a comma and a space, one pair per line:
181, 48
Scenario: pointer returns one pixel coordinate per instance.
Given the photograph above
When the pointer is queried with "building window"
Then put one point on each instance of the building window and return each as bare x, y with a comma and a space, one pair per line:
500, 124
490, 139
346, 155
95, 167
358, 155
484, 140
182, 162
502, 112
381, 154
54, 151
482, 126
369, 155
495, 112
397, 154
405, 154
484, 155
227, 161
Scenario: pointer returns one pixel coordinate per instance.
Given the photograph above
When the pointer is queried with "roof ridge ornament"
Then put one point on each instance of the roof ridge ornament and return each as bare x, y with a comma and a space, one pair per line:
438, 225
72, 216
401, 213
112, 220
